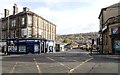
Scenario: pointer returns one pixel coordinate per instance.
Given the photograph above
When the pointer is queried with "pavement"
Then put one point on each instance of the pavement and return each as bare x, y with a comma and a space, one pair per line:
109, 56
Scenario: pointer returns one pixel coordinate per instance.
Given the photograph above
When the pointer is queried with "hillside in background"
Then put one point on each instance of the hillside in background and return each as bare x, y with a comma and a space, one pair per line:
77, 37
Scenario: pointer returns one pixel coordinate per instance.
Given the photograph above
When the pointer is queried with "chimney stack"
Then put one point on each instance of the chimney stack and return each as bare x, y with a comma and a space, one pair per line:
6, 12
15, 9
25, 9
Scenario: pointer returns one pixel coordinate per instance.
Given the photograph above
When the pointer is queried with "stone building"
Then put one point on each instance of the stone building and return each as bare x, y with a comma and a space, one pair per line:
110, 29
27, 31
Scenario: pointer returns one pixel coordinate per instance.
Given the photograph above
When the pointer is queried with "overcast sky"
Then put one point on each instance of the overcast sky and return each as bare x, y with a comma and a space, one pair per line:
70, 16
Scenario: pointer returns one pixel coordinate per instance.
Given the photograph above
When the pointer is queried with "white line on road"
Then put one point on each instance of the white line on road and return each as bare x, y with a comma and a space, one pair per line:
13, 68
39, 71
59, 63
62, 57
75, 60
73, 69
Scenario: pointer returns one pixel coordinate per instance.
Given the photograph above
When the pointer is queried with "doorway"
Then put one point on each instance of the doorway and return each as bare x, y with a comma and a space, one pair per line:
30, 48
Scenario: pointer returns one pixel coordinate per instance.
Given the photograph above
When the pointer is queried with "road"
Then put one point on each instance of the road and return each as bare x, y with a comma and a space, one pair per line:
72, 61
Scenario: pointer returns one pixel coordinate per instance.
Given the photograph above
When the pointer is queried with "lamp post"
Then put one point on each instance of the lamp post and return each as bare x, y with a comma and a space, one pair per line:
7, 36
1, 30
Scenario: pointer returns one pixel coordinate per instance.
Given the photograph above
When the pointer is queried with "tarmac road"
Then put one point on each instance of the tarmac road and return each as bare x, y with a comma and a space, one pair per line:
72, 61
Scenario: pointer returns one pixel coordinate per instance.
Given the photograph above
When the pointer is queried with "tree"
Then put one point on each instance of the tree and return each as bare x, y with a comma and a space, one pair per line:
68, 41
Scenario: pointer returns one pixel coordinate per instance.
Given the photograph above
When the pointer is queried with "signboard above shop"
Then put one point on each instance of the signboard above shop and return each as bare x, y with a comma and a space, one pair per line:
104, 28
116, 30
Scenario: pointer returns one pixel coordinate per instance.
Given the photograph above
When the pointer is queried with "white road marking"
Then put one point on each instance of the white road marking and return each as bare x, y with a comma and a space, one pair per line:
75, 60
10, 56
59, 63
13, 68
73, 69
62, 58
39, 71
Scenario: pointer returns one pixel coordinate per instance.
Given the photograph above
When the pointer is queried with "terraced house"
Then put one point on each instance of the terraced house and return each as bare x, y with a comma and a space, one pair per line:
110, 29
27, 32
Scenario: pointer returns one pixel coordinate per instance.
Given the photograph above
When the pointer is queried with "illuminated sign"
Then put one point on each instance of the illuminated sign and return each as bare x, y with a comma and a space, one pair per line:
117, 44
115, 30
104, 28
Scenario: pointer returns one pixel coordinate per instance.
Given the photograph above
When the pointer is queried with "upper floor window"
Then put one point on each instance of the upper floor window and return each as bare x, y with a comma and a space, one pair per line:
23, 21
13, 34
3, 25
29, 32
24, 32
36, 22
4, 35
30, 20
13, 23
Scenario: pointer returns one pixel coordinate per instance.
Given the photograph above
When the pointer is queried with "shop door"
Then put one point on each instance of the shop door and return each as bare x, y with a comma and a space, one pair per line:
31, 48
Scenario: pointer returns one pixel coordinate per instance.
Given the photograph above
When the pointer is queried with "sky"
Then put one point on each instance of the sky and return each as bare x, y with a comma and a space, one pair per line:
69, 16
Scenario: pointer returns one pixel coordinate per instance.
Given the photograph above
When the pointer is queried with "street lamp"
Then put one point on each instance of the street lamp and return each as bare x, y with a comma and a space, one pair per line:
1, 30
7, 36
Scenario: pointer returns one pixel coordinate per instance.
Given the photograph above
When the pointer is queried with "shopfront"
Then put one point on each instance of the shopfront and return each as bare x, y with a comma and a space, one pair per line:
26, 46
116, 39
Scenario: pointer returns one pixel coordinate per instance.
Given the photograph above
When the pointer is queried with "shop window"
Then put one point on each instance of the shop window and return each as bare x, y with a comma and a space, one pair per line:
116, 45
36, 48
116, 30
22, 49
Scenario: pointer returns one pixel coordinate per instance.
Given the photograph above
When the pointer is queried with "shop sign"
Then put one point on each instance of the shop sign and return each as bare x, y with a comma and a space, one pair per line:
30, 40
50, 48
115, 30
104, 28
12, 48
36, 48
21, 40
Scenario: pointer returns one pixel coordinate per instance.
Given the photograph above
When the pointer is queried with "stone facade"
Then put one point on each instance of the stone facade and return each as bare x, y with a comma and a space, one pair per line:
27, 24
110, 29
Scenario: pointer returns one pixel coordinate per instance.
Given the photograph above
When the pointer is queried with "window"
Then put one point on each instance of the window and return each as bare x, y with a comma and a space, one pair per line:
116, 44
14, 34
11, 34
40, 33
5, 24
23, 32
4, 35
116, 30
36, 21
29, 32
30, 20
23, 21
13, 23
36, 31
22, 49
